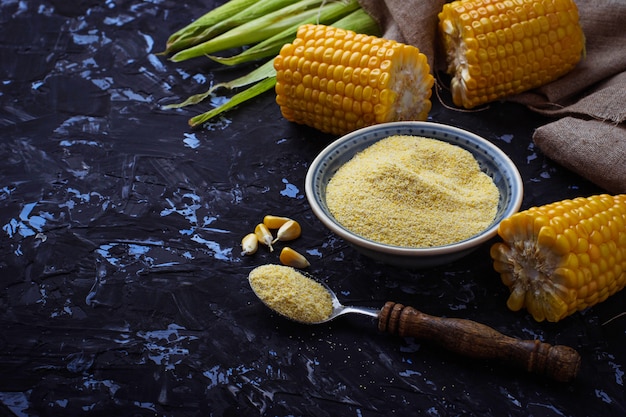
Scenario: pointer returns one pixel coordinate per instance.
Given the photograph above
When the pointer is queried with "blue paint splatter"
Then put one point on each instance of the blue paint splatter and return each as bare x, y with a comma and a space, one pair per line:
290, 189
191, 140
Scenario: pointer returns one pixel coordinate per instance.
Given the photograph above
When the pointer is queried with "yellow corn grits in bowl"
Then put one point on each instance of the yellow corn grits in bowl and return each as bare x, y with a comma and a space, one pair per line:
413, 194
413, 191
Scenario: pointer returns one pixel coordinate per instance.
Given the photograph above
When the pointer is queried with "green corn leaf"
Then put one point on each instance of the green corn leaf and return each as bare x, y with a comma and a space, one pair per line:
210, 18
360, 22
254, 31
271, 46
262, 72
255, 90
205, 30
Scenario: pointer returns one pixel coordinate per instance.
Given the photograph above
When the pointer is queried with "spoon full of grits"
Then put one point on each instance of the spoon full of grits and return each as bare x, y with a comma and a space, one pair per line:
303, 299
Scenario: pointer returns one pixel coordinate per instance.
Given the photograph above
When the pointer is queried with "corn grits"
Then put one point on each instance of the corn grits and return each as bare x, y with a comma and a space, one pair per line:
414, 192
290, 293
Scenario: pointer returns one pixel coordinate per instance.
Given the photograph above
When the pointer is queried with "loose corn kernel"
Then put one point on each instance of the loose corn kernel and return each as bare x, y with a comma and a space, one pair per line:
292, 258
290, 230
495, 48
356, 80
572, 259
249, 244
264, 235
274, 222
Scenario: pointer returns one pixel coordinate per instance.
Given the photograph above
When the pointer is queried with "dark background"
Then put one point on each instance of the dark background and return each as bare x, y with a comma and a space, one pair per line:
123, 291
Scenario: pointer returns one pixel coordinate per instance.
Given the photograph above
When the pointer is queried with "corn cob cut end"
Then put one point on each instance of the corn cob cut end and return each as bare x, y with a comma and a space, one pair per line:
337, 81
498, 48
563, 257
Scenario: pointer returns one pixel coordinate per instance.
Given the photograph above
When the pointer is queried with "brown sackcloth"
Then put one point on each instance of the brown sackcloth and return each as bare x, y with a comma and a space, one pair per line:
588, 105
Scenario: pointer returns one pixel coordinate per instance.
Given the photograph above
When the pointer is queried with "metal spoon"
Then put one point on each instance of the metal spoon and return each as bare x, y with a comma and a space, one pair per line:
340, 309
465, 337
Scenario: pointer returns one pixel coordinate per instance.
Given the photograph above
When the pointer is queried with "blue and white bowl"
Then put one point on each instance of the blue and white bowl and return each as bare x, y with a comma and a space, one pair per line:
491, 160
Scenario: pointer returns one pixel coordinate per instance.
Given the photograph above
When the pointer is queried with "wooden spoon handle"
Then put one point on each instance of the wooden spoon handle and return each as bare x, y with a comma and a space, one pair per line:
477, 340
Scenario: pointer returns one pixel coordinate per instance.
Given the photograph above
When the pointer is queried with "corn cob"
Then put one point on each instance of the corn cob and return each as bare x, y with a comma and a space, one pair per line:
563, 257
497, 48
336, 80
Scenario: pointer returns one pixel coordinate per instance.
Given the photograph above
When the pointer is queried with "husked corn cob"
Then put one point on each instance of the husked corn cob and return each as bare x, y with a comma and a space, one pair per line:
497, 48
563, 257
336, 80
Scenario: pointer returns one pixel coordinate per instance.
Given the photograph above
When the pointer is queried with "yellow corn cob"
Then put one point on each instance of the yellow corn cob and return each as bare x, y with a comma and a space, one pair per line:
497, 48
336, 80
563, 257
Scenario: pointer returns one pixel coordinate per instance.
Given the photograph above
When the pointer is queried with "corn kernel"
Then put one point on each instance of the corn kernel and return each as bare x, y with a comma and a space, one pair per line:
249, 244
264, 235
290, 257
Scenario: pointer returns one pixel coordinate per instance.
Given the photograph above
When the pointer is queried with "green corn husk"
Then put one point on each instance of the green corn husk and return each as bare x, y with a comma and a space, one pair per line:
271, 46
258, 88
360, 22
203, 30
176, 41
259, 74
254, 31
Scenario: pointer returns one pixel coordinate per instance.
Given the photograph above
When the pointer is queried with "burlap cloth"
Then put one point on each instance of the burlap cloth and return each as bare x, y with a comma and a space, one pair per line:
586, 107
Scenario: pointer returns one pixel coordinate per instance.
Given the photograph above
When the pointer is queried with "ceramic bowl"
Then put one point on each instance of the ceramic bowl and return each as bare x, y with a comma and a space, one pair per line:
491, 160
